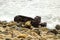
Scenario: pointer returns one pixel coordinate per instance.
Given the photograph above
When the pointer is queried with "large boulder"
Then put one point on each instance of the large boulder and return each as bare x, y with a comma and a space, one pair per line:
20, 18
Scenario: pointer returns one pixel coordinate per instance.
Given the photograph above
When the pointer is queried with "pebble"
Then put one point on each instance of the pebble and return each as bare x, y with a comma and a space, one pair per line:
38, 19
57, 27
34, 23
54, 31
44, 24
7, 39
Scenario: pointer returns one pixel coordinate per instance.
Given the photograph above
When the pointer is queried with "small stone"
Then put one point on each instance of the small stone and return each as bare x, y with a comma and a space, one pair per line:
7, 39
19, 24
44, 30
22, 36
11, 23
43, 24
4, 26
58, 35
5, 32
34, 23
29, 27
0, 22
37, 31
2, 29
54, 31
57, 27
28, 23
4, 22
38, 19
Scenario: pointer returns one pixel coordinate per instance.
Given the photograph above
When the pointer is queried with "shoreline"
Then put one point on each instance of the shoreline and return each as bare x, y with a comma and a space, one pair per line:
19, 30
13, 31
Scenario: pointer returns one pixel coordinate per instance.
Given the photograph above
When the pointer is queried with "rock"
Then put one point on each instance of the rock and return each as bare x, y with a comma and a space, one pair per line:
0, 22
58, 31
7, 39
54, 31
38, 19
4, 22
58, 35
20, 24
28, 24
44, 24
20, 18
15, 38
4, 26
22, 36
11, 23
34, 23
37, 31
2, 29
1, 25
19, 34
5, 32
43, 30
2, 36
57, 27
29, 27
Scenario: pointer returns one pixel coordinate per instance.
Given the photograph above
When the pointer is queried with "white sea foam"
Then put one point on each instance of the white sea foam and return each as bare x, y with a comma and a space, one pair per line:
49, 10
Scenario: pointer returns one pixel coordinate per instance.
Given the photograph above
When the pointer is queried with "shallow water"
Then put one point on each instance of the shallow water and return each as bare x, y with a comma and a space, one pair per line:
49, 10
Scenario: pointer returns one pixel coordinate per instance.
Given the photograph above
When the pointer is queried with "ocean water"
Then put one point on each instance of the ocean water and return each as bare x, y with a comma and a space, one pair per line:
49, 10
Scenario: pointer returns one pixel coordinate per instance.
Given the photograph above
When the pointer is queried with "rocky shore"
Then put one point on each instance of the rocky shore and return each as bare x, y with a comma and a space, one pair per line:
26, 28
